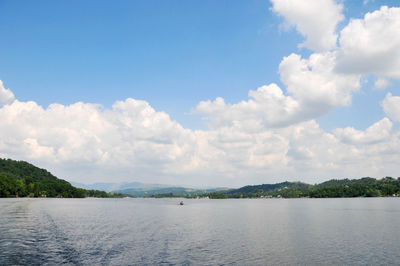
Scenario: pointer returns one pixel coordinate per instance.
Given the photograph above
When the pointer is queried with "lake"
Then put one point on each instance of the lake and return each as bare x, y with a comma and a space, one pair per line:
354, 231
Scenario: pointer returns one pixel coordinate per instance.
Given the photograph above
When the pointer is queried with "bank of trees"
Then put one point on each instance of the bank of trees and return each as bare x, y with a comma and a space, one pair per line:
344, 188
364, 187
19, 178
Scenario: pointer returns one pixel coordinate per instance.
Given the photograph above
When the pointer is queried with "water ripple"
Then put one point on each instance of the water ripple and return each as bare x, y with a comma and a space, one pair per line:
203, 232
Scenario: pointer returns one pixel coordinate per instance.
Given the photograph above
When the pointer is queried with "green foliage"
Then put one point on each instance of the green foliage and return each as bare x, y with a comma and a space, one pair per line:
19, 178
102, 194
217, 195
364, 187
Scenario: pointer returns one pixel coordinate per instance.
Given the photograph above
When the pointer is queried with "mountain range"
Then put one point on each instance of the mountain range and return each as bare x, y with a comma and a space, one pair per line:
138, 189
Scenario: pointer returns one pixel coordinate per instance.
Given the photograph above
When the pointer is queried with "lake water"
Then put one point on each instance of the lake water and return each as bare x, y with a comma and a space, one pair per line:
202, 232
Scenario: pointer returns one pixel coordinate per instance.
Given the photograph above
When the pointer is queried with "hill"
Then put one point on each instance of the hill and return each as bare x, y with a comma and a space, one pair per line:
19, 178
137, 189
364, 187
161, 192
112, 187
285, 188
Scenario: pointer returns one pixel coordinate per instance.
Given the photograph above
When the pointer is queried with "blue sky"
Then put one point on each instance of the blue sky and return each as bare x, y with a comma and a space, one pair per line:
171, 54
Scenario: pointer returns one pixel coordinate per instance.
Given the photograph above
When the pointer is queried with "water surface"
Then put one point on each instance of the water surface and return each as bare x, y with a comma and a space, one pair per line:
208, 232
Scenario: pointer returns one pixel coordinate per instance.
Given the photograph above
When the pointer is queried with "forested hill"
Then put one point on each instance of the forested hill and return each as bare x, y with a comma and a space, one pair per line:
257, 189
364, 187
19, 178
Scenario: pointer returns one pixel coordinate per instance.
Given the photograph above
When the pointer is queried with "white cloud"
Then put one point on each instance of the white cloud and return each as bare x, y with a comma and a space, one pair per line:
85, 142
315, 84
312, 152
314, 89
372, 44
131, 135
381, 84
378, 132
6, 95
268, 107
131, 141
314, 19
391, 106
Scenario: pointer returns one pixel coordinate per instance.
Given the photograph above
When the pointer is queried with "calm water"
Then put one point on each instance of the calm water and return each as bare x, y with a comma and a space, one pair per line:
207, 232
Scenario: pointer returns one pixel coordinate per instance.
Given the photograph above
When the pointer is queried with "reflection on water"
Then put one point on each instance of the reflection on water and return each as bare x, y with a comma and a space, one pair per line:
208, 232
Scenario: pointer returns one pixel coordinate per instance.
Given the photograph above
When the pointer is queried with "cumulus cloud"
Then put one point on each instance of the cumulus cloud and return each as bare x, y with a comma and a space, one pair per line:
268, 107
372, 44
314, 89
378, 132
315, 84
131, 133
132, 141
391, 106
316, 20
347, 152
381, 84
6, 95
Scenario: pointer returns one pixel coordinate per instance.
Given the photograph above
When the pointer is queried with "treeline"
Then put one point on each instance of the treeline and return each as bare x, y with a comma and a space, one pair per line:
21, 179
166, 192
344, 188
102, 194
364, 187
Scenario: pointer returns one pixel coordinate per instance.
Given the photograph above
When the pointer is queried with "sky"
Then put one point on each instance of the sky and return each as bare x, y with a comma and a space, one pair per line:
202, 93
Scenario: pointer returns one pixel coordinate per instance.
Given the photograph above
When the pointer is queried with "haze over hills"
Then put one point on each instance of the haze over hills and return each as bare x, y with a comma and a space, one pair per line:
167, 191
108, 187
138, 189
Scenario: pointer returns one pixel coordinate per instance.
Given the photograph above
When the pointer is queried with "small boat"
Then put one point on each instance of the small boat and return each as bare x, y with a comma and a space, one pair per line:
181, 203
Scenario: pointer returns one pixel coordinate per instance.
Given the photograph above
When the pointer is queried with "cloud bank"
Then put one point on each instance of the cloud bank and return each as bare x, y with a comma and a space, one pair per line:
132, 141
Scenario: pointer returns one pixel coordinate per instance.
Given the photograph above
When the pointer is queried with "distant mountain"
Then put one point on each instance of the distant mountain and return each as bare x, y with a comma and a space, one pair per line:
138, 189
269, 187
166, 191
108, 187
